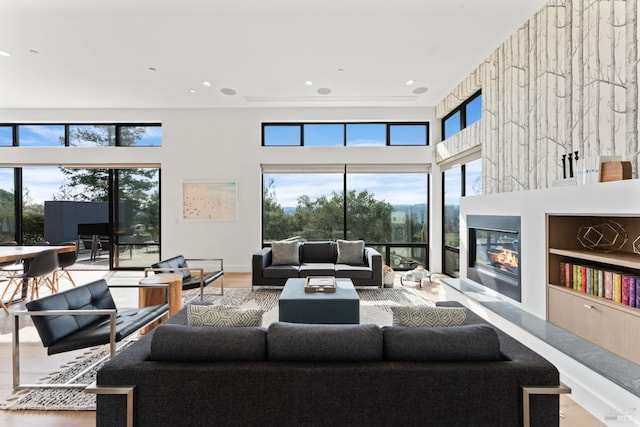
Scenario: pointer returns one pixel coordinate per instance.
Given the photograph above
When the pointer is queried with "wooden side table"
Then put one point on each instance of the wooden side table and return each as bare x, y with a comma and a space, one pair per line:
150, 293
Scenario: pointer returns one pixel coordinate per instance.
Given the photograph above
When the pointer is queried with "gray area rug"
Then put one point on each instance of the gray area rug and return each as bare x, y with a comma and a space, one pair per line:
375, 307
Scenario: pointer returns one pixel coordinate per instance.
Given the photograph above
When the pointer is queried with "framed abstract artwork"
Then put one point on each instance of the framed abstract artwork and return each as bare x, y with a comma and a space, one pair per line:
210, 200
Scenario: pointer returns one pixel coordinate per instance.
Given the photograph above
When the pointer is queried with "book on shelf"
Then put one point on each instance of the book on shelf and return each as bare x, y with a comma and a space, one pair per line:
625, 289
617, 287
608, 284
600, 283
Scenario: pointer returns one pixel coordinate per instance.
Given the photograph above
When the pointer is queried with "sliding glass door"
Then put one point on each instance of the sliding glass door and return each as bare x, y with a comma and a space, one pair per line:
136, 218
112, 214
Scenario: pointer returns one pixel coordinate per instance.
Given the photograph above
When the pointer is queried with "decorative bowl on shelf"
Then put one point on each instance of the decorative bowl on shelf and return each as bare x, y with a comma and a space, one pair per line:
605, 236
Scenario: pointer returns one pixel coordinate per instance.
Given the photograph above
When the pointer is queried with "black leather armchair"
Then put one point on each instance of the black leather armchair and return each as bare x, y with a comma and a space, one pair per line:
81, 317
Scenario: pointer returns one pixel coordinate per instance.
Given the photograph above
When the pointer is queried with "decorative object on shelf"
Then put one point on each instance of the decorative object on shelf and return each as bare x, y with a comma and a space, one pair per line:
636, 245
615, 171
607, 236
570, 165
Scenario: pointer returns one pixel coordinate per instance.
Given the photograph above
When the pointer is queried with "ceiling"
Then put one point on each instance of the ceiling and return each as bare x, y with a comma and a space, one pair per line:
157, 54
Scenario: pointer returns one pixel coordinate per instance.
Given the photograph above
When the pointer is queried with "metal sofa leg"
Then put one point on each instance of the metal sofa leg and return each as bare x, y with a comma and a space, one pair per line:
529, 390
125, 390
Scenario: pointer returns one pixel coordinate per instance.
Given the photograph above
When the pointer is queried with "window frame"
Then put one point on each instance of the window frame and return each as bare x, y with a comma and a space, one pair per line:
388, 125
388, 245
462, 109
117, 125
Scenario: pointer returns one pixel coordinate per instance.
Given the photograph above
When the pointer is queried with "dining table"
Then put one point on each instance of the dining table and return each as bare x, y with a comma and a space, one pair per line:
26, 254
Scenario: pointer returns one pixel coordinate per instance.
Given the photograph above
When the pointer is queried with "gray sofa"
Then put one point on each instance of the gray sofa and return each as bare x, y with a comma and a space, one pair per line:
319, 375
317, 259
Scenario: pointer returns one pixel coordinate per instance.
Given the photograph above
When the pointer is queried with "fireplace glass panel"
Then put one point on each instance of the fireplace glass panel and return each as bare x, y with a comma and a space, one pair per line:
497, 250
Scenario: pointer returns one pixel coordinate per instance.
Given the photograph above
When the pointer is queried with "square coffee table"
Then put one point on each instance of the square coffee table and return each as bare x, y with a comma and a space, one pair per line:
297, 306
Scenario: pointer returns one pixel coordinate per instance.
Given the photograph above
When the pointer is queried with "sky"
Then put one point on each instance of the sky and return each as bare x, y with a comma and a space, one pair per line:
406, 189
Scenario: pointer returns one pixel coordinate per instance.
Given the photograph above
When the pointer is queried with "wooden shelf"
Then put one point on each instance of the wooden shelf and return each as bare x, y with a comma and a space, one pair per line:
609, 324
621, 259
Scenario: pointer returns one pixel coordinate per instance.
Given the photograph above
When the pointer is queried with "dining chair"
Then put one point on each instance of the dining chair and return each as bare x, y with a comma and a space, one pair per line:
9, 268
66, 259
40, 272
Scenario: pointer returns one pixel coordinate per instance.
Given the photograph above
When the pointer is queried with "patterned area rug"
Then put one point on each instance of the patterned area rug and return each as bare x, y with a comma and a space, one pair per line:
375, 303
375, 307
74, 399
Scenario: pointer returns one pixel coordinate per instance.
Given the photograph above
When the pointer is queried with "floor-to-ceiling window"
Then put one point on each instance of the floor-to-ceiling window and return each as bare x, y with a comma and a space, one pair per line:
452, 191
387, 209
384, 205
458, 181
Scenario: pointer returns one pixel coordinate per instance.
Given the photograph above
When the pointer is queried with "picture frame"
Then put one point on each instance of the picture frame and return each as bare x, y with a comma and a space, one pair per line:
210, 200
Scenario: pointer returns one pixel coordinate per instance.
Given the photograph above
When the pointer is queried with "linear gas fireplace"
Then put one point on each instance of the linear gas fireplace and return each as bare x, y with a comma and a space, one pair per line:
494, 253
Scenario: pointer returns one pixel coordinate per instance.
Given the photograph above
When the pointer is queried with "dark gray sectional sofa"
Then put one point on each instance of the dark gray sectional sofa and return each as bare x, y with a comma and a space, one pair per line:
320, 375
317, 259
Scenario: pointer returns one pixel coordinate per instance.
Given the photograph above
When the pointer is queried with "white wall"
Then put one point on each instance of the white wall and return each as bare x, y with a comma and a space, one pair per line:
608, 198
222, 144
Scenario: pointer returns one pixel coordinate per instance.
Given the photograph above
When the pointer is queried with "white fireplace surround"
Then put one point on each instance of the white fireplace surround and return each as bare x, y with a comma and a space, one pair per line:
608, 198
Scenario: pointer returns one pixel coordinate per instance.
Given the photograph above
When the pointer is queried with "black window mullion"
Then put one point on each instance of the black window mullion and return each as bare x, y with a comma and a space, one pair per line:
344, 203
17, 199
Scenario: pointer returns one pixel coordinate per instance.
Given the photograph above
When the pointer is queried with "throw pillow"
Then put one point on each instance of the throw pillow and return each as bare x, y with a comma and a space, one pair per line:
285, 253
351, 252
429, 316
222, 316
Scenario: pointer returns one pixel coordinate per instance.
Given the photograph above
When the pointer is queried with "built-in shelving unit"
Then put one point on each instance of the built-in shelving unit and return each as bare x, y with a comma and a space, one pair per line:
607, 323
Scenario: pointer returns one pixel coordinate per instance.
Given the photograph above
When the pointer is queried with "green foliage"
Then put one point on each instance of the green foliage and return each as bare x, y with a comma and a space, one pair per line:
323, 218
367, 218
32, 226
7, 215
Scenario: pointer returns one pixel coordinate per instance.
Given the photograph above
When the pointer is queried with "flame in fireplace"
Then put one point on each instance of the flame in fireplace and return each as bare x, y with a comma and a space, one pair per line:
506, 257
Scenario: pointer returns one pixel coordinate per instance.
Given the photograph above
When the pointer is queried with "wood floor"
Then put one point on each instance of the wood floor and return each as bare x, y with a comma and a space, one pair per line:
36, 364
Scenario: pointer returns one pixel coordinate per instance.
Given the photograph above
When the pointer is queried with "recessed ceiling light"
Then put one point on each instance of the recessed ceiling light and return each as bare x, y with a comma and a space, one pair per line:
308, 82
192, 90
420, 90
341, 69
206, 84
410, 82
35, 52
152, 69
4, 53
228, 91
324, 91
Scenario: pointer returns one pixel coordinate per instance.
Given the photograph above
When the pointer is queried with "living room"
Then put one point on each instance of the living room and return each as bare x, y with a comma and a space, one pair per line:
208, 135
